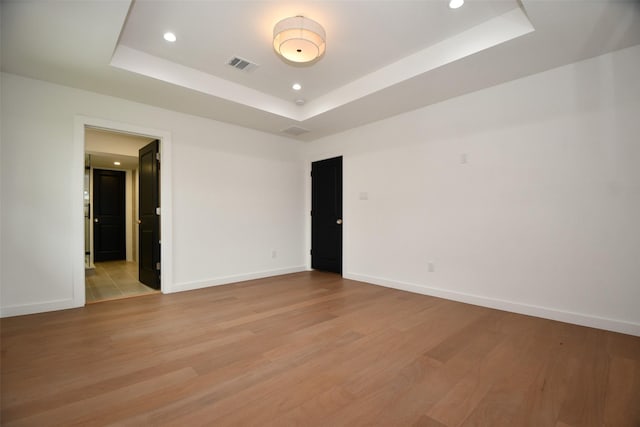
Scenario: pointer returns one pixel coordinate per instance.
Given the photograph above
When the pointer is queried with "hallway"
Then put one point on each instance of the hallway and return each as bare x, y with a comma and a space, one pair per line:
114, 280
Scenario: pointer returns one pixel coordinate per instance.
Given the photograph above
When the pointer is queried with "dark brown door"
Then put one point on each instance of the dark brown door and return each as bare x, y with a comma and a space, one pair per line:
326, 215
109, 215
149, 218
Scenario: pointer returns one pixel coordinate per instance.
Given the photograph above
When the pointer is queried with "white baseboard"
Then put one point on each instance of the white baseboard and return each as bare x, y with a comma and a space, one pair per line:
225, 280
41, 307
511, 306
515, 307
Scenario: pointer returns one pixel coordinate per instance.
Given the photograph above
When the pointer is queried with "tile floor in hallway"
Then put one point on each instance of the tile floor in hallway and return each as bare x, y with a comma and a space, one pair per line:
113, 280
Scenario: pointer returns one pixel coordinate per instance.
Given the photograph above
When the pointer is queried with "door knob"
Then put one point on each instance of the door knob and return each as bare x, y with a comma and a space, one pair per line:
139, 221
96, 220
339, 221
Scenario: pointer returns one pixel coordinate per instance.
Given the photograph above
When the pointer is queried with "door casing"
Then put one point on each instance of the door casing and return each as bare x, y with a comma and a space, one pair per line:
77, 214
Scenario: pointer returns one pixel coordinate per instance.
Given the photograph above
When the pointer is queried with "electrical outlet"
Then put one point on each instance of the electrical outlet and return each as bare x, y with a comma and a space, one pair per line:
431, 267
274, 254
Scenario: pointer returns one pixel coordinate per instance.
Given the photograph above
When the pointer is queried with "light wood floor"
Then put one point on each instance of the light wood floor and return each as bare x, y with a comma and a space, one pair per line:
312, 349
113, 280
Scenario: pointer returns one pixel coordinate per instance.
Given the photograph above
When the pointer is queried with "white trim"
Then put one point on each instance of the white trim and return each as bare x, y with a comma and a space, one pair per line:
77, 219
511, 306
41, 307
166, 254
226, 280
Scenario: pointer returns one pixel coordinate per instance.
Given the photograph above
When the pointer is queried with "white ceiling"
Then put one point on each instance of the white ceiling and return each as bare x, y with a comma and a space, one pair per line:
106, 147
360, 37
106, 160
382, 58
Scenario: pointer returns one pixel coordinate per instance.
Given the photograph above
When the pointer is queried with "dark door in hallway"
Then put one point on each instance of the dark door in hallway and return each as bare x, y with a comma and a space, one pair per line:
149, 220
109, 215
326, 215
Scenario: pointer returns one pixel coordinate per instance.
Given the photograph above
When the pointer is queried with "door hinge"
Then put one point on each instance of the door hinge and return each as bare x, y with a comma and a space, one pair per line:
158, 156
157, 211
158, 266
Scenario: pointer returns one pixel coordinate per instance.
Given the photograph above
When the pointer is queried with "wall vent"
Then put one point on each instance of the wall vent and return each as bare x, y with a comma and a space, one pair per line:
295, 130
242, 64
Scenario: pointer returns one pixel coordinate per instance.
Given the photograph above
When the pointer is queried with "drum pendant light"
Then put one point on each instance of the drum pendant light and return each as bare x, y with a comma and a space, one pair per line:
299, 39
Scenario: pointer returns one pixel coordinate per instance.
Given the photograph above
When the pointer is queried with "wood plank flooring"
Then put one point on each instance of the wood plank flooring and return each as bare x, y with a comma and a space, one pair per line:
311, 349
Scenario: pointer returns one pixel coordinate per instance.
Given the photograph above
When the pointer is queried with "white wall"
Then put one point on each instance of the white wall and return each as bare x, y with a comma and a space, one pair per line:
115, 143
128, 209
237, 195
541, 219
544, 216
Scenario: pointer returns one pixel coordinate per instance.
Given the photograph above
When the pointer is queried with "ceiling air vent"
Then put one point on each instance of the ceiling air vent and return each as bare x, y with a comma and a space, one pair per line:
295, 130
242, 64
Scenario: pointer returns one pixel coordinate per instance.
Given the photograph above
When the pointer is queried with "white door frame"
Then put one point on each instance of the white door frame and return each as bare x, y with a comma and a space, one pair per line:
166, 255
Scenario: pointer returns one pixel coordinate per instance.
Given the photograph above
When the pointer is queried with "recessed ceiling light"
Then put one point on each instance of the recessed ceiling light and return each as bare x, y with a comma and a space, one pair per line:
116, 163
296, 86
454, 4
170, 37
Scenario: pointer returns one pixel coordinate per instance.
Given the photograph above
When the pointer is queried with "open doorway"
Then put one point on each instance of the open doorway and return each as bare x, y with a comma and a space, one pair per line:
112, 217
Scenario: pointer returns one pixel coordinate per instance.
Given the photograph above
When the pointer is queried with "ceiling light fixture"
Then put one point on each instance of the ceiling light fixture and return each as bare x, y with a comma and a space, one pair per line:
116, 163
170, 37
299, 39
296, 86
454, 4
